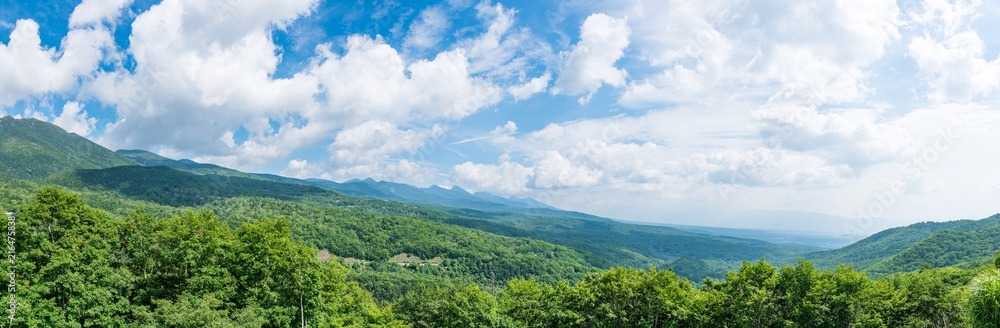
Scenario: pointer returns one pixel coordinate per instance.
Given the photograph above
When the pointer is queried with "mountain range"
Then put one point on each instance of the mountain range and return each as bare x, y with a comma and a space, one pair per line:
37, 152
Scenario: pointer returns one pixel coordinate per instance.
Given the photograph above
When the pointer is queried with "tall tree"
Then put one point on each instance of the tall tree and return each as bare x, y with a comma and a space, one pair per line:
66, 262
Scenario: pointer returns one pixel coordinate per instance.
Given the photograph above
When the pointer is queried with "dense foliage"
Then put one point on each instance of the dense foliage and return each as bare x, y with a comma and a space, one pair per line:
79, 267
357, 231
756, 295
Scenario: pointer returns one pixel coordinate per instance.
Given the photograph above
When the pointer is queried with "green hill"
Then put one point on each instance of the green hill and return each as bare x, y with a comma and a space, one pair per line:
34, 150
903, 249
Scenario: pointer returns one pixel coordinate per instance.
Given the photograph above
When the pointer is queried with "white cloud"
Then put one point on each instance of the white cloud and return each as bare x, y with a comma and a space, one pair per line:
505, 51
591, 62
852, 137
506, 178
74, 119
31, 70
372, 81
530, 88
768, 167
712, 49
427, 31
503, 134
950, 55
300, 169
207, 69
97, 11
213, 67
375, 141
507, 129
555, 171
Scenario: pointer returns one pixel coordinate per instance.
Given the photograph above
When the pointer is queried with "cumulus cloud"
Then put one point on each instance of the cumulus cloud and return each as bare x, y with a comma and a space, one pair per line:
73, 119
756, 49
506, 178
97, 11
502, 134
374, 141
301, 169
555, 171
31, 70
210, 70
530, 88
851, 137
207, 69
373, 81
591, 62
950, 55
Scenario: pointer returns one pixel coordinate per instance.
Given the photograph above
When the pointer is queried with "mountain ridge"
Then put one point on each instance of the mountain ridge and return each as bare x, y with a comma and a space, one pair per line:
33, 150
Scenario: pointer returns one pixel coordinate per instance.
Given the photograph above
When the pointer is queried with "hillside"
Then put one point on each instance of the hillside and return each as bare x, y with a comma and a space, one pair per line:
935, 244
34, 150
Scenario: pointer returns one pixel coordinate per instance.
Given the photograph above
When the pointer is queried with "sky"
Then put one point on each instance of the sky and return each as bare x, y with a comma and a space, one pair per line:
670, 111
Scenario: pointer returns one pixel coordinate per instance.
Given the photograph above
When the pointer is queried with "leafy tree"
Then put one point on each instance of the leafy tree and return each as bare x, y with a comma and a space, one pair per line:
451, 305
65, 258
628, 297
744, 299
532, 304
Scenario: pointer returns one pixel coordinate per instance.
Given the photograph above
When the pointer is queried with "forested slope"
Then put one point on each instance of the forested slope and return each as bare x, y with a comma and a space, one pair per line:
933, 244
33, 150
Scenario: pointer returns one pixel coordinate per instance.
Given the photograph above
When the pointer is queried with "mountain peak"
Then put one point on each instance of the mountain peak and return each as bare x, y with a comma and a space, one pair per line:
34, 150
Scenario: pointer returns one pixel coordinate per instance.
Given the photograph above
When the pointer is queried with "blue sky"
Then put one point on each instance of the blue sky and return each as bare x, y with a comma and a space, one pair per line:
669, 111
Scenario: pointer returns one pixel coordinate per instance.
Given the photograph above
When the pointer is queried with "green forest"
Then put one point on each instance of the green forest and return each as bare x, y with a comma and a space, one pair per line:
77, 266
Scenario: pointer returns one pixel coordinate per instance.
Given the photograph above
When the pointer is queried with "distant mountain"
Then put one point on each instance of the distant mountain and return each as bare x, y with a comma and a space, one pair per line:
436, 196
146, 158
937, 244
34, 150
